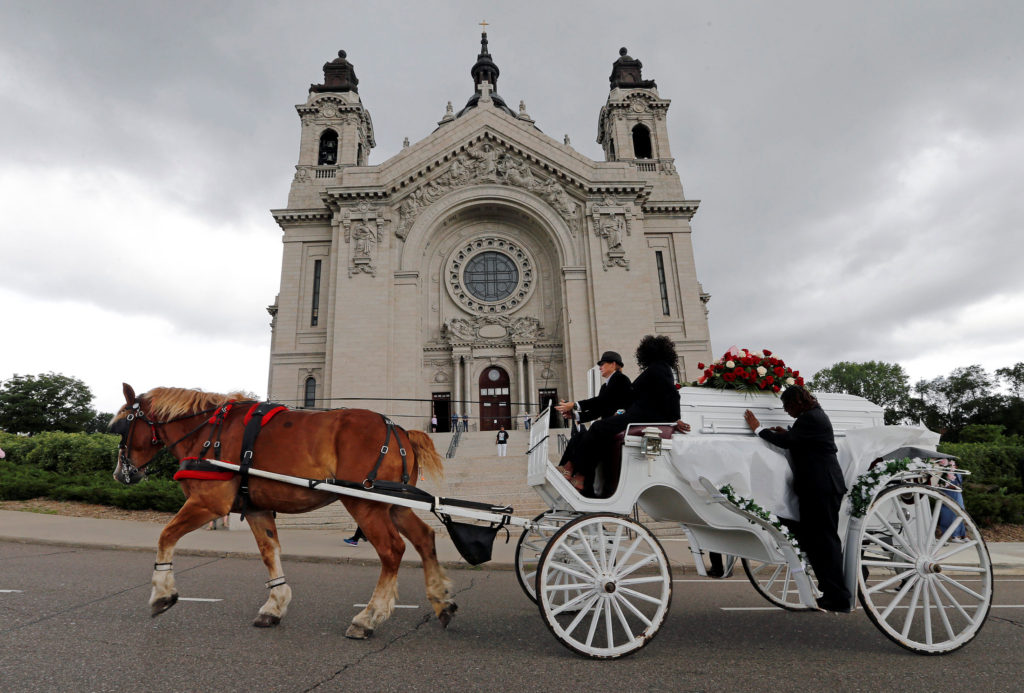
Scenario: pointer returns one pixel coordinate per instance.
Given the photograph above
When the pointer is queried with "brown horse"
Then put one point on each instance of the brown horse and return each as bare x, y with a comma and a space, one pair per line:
341, 444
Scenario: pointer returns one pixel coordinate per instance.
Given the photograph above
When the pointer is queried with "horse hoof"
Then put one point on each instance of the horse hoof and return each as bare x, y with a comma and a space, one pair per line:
358, 632
445, 617
266, 621
163, 604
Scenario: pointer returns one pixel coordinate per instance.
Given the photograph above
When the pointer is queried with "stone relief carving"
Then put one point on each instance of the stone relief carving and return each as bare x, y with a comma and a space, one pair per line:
612, 221
486, 163
363, 230
492, 328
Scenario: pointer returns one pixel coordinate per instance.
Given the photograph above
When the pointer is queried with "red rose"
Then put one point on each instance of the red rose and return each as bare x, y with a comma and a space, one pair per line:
796, 374
769, 379
775, 388
763, 385
729, 377
678, 385
779, 371
700, 366
767, 353
800, 382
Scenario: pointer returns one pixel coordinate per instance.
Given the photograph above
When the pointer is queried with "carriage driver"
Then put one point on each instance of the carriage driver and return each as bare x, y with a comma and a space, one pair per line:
819, 486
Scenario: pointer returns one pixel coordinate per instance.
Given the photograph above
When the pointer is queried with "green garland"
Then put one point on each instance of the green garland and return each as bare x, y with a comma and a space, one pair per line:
750, 506
870, 482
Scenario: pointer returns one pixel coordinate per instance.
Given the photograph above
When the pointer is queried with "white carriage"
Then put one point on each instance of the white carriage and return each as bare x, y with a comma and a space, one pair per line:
603, 582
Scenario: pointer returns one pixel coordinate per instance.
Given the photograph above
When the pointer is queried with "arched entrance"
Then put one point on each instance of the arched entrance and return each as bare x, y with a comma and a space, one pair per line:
495, 400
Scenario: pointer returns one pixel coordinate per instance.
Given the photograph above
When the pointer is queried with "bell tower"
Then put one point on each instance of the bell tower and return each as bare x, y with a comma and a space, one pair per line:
336, 129
632, 126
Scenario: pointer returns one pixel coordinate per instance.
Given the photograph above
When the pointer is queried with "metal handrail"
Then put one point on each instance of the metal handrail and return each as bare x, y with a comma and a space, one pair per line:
454, 444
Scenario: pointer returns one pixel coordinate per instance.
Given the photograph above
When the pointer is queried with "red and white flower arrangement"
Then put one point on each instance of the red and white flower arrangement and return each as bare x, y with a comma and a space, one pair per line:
748, 371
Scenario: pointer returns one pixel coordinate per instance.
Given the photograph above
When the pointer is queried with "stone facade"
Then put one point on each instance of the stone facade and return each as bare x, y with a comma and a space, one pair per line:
482, 270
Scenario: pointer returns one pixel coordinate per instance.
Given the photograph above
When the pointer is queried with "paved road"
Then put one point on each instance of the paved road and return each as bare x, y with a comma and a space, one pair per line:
80, 621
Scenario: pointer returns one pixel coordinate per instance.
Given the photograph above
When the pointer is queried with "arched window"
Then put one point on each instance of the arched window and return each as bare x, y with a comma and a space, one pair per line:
359, 155
328, 149
310, 397
642, 142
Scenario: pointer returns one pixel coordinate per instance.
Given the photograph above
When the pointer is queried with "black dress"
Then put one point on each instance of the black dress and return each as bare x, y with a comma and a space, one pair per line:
819, 486
655, 400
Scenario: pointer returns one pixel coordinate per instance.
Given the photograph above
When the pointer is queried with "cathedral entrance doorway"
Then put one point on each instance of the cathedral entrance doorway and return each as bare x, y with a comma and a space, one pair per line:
495, 401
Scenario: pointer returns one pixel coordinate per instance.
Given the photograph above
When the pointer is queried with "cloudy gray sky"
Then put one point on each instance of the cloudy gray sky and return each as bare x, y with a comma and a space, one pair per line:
858, 165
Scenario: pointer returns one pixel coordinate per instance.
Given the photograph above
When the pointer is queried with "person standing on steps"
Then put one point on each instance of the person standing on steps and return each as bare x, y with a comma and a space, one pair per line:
502, 441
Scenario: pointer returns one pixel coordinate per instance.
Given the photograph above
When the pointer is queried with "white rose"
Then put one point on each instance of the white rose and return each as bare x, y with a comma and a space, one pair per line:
730, 364
757, 355
762, 371
790, 381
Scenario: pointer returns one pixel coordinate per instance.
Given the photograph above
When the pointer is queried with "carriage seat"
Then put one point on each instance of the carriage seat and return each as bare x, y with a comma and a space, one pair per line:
613, 466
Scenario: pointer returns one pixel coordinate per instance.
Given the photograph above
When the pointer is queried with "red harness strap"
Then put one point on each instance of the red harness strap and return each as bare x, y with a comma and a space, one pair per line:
198, 468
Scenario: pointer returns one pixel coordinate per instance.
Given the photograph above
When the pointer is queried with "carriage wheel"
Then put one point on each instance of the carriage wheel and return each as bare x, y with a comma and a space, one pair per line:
604, 586
930, 594
532, 543
774, 581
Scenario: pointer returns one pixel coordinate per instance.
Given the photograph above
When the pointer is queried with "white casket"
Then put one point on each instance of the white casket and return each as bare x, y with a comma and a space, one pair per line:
721, 447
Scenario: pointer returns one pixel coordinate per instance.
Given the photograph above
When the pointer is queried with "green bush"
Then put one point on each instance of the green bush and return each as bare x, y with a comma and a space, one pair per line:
16, 447
22, 482
73, 453
988, 460
989, 504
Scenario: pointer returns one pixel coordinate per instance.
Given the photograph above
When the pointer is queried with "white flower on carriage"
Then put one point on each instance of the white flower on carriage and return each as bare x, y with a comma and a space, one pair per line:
757, 354
762, 371
790, 381
730, 364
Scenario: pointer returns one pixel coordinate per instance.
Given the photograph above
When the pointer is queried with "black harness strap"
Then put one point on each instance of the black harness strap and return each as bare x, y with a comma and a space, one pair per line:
389, 429
252, 429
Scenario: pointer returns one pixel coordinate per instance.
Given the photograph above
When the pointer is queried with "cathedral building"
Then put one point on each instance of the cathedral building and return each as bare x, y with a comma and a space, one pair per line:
484, 269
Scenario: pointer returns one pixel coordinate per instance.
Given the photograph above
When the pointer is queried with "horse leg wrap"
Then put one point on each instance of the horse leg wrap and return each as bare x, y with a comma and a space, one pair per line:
164, 595
277, 604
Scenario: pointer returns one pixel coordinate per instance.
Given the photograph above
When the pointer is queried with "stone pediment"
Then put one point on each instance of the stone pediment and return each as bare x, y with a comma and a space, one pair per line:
415, 165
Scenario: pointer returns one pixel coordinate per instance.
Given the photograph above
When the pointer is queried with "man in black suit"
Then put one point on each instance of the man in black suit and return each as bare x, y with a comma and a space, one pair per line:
615, 395
819, 486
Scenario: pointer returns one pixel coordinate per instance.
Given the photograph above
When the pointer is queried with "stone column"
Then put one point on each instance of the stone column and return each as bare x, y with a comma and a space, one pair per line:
521, 406
456, 383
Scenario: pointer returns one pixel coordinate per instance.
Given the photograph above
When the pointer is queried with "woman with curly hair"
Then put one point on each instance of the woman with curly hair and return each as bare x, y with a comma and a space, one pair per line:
655, 399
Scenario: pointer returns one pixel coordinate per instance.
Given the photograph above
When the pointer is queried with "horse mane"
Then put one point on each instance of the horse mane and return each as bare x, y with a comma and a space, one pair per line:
171, 402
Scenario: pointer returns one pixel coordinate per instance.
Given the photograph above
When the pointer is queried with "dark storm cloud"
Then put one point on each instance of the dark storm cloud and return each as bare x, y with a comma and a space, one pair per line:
857, 163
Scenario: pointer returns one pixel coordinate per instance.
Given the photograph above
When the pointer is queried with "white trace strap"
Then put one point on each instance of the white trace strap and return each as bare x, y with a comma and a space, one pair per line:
271, 584
162, 566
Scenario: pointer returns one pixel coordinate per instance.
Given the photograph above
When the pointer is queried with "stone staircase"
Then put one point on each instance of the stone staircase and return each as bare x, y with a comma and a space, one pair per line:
476, 473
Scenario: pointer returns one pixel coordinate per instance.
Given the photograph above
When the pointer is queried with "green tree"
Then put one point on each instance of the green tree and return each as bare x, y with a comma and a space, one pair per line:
885, 384
46, 402
948, 403
1014, 378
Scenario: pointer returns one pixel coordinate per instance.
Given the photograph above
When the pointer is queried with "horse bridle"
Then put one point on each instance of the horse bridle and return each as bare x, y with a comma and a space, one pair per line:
131, 473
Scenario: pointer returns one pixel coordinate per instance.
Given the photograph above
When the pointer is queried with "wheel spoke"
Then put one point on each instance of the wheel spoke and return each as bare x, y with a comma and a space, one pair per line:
563, 568
940, 585
886, 584
594, 620
647, 560
963, 587
912, 609
589, 567
582, 613
641, 581
942, 609
622, 617
889, 548
636, 612
640, 595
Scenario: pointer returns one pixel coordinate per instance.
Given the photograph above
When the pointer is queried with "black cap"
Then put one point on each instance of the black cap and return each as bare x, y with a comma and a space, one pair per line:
610, 357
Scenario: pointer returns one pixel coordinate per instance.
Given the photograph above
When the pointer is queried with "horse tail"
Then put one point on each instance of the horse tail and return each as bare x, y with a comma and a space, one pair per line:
427, 457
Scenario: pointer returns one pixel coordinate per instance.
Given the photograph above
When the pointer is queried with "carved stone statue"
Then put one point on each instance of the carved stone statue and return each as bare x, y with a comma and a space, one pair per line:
611, 229
365, 240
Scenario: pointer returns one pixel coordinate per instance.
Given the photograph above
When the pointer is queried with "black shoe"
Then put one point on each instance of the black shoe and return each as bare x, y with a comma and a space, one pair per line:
716, 573
837, 606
